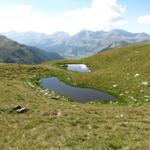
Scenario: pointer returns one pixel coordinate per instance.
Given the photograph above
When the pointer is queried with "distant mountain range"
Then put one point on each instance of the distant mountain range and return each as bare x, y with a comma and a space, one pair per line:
82, 44
13, 52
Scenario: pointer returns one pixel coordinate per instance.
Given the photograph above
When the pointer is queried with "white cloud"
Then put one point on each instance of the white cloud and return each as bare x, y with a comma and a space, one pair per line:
102, 14
23, 18
144, 19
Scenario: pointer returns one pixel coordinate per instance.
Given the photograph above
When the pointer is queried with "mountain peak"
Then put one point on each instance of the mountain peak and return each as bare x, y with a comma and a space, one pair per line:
60, 34
84, 43
120, 32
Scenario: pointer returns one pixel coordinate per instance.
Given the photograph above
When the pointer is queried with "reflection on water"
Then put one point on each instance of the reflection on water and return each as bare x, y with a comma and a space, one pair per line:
78, 67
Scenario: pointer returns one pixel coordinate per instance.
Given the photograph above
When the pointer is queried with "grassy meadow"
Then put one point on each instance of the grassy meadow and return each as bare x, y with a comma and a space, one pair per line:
54, 122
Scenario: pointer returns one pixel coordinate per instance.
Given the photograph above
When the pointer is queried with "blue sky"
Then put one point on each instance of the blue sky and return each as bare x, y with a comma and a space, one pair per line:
136, 8
49, 5
71, 16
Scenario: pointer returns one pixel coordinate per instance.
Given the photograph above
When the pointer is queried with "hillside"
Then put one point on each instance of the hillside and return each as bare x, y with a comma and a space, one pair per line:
13, 52
125, 68
82, 44
54, 122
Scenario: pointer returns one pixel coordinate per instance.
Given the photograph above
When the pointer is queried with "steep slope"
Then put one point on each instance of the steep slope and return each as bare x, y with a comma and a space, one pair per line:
54, 42
82, 44
13, 52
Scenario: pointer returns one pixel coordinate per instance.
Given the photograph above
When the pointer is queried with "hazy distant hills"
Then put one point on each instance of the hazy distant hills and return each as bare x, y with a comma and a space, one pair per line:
13, 52
82, 44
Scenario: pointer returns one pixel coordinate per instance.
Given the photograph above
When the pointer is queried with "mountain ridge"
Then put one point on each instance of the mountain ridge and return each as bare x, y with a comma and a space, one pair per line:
84, 43
13, 52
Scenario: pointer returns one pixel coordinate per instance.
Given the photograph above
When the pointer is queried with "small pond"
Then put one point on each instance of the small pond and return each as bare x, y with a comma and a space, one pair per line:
75, 93
78, 67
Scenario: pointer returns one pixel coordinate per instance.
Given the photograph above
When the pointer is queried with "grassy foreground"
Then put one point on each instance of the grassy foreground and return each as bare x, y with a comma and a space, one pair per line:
53, 122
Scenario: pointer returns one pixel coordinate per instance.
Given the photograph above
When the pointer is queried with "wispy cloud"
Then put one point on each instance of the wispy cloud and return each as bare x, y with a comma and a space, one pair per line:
100, 15
144, 19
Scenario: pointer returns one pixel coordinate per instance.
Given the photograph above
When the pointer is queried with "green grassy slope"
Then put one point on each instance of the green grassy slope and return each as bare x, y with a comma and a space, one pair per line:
122, 72
53, 122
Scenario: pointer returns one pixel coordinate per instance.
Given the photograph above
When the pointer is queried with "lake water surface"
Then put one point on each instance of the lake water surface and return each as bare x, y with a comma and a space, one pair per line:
78, 67
75, 93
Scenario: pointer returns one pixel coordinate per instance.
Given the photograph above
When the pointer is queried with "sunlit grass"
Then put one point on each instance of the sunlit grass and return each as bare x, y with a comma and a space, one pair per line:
54, 122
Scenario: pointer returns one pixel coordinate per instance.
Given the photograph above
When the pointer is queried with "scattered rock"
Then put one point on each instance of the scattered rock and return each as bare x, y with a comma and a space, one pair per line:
121, 115
115, 85
56, 97
145, 83
17, 107
89, 127
136, 75
22, 110
58, 114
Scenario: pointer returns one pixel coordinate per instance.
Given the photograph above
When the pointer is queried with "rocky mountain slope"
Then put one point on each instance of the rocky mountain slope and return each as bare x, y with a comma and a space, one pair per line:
13, 52
82, 44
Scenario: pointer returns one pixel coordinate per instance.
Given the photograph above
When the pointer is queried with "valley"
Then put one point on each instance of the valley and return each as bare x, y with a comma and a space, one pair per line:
75, 75
82, 44
54, 121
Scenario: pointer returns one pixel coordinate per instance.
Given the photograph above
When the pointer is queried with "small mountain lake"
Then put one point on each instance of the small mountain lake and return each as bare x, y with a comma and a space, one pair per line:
78, 67
75, 93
